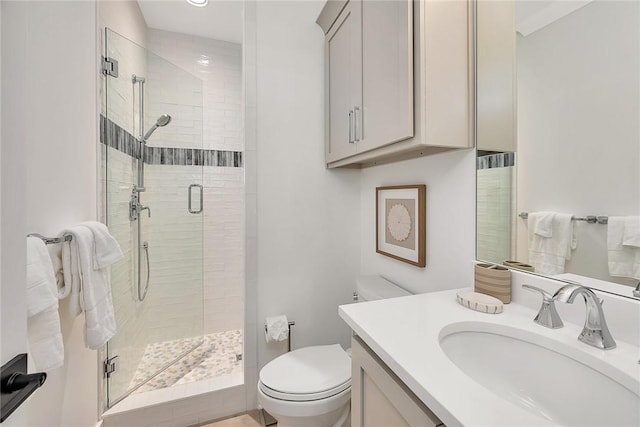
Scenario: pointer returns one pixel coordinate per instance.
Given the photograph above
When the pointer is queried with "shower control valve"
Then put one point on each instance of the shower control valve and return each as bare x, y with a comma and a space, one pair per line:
135, 207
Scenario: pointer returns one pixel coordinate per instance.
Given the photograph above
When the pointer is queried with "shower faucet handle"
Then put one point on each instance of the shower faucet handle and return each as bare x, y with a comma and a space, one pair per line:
143, 208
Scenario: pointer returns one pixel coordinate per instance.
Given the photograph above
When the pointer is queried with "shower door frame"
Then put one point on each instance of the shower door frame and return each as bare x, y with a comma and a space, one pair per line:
106, 355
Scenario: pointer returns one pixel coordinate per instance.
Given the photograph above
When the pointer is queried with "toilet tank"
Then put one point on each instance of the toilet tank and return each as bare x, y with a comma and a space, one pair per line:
371, 288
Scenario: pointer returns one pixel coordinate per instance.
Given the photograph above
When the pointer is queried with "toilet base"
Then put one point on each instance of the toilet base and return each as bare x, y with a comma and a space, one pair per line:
334, 411
339, 418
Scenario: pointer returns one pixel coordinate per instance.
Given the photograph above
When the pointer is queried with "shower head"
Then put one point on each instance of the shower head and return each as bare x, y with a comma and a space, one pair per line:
162, 121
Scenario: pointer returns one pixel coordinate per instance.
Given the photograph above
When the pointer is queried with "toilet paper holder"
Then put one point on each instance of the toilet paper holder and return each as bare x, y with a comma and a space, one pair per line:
289, 325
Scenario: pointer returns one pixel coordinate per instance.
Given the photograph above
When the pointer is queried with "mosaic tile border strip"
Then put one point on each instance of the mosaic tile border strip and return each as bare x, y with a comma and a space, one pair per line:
116, 137
498, 160
192, 156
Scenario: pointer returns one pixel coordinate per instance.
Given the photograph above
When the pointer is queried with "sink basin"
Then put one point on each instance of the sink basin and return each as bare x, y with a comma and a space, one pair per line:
544, 376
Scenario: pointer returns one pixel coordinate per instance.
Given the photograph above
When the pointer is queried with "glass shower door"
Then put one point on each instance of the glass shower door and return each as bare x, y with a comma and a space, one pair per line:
156, 214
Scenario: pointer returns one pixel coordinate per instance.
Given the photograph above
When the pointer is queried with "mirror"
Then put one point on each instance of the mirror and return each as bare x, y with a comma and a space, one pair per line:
558, 130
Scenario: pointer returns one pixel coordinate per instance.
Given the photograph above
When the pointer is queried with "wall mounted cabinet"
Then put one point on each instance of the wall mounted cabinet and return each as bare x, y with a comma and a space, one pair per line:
398, 79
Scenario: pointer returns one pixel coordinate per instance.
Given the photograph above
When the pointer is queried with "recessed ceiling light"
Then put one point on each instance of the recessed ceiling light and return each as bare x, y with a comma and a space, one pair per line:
199, 3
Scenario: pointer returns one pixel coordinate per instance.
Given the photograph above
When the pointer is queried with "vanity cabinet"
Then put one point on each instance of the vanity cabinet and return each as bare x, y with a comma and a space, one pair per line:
398, 79
379, 397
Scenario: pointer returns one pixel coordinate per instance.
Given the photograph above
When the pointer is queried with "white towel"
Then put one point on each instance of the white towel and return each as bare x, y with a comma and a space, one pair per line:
55, 252
549, 254
90, 287
631, 236
106, 250
624, 260
43, 323
542, 223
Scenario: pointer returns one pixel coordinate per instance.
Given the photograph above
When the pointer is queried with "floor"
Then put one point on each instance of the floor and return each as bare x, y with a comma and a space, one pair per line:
213, 355
250, 419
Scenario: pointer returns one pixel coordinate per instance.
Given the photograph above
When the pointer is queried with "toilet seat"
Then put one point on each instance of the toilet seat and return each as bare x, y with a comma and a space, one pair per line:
307, 374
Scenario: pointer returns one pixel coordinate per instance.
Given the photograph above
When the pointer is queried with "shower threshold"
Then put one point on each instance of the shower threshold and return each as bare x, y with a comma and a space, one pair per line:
210, 363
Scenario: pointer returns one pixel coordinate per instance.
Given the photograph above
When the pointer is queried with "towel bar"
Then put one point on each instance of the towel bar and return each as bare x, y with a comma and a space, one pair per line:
591, 219
52, 240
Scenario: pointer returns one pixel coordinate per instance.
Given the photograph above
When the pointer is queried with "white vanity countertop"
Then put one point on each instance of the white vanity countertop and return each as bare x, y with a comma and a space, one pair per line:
405, 333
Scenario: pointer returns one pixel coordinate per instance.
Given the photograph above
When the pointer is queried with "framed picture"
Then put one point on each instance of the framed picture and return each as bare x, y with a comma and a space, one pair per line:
400, 223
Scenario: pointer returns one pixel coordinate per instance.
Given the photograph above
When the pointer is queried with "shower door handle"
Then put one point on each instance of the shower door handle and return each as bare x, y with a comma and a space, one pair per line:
191, 210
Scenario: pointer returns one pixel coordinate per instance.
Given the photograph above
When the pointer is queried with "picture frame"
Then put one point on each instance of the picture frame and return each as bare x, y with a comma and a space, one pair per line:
401, 223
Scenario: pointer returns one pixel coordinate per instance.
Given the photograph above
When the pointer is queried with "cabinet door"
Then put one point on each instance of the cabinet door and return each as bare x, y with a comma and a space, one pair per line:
387, 74
343, 80
379, 398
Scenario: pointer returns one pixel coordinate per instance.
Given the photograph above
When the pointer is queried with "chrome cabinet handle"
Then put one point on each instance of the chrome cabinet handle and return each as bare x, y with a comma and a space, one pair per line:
350, 126
191, 187
355, 126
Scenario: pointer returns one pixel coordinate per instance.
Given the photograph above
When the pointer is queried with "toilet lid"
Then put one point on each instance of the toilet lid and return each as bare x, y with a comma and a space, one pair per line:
307, 373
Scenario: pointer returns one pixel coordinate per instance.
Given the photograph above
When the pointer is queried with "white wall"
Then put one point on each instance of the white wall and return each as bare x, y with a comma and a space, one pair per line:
56, 160
578, 133
13, 226
249, 117
450, 248
308, 231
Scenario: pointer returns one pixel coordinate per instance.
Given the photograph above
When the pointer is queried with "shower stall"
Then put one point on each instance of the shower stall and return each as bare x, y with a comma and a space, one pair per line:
155, 160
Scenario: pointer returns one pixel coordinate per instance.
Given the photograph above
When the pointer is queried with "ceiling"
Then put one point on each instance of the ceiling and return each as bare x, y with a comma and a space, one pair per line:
220, 20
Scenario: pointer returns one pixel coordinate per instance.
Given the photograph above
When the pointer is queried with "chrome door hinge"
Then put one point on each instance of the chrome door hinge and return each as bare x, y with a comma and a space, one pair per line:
109, 67
110, 366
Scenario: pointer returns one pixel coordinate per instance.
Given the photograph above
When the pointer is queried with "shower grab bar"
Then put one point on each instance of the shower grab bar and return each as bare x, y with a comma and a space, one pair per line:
52, 240
191, 187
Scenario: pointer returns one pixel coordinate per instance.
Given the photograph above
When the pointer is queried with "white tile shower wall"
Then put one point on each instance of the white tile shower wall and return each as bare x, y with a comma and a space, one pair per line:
122, 100
219, 66
224, 207
495, 213
174, 303
173, 91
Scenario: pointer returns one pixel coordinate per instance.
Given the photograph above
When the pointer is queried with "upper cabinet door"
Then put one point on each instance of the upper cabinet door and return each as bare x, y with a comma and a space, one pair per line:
343, 82
387, 74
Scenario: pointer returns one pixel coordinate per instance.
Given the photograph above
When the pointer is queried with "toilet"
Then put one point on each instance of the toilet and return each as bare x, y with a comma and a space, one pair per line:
311, 386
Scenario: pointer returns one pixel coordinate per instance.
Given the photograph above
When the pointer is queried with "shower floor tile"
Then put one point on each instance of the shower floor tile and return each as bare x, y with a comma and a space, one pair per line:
217, 355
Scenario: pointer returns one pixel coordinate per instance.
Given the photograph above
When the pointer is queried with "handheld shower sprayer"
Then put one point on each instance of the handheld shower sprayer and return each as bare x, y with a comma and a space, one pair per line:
162, 121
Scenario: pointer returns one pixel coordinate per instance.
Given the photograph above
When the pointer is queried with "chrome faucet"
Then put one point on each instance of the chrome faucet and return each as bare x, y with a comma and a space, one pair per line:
135, 208
595, 331
547, 315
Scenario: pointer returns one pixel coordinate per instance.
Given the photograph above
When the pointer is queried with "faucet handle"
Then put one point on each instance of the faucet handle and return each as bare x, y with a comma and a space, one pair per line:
547, 315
